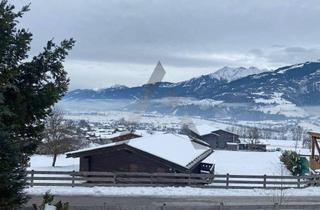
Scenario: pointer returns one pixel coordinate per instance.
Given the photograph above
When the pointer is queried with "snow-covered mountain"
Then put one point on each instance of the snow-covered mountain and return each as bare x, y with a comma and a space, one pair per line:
282, 92
230, 74
189, 88
297, 83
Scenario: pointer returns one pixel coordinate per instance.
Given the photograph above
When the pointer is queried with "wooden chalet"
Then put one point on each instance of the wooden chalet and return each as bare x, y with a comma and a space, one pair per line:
167, 153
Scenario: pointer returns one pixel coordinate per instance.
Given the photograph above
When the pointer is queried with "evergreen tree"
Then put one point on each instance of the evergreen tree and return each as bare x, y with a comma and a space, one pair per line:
28, 89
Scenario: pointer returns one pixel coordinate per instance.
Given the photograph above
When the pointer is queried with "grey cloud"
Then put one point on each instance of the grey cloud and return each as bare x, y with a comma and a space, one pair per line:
181, 33
291, 55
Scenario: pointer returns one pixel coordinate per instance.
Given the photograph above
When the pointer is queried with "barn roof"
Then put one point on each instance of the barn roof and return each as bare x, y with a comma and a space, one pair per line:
178, 149
202, 129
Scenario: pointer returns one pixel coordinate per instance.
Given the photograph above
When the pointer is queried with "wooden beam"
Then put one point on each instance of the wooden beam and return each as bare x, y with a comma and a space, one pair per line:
314, 134
312, 147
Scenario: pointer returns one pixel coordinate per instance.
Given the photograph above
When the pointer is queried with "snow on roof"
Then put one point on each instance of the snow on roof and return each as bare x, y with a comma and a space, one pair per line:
117, 134
178, 149
203, 129
122, 133
232, 143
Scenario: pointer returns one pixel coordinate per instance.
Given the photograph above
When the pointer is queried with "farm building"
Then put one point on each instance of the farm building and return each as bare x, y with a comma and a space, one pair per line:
217, 139
167, 153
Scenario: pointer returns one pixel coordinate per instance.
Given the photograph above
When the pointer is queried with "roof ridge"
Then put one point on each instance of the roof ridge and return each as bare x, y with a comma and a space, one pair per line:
201, 156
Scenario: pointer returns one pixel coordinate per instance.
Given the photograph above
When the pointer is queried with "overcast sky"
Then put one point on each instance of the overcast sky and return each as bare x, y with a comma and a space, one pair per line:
120, 41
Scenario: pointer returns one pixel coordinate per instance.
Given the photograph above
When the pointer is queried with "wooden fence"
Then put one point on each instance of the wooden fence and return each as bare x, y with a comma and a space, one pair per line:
90, 179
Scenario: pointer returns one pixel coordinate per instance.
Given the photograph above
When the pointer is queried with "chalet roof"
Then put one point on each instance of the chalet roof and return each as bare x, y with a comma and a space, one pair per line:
203, 129
224, 131
178, 149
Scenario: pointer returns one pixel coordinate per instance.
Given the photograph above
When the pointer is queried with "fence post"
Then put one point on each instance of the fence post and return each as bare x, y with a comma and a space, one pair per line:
276, 206
114, 178
299, 182
227, 181
221, 206
264, 181
163, 207
32, 175
73, 172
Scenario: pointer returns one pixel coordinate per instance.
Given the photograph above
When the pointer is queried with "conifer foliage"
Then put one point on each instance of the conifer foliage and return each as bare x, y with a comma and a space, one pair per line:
28, 89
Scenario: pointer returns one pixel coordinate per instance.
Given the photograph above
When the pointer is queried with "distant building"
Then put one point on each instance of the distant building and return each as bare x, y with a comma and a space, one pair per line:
167, 153
217, 139
122, 136
253, 147
232, 146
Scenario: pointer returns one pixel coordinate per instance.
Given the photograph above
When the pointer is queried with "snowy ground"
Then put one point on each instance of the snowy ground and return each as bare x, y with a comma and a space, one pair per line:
247, 163
167, 191
43, 163
285, 145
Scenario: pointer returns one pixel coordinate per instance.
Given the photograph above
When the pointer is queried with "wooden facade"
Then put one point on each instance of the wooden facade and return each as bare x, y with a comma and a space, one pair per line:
315, 151
219, 139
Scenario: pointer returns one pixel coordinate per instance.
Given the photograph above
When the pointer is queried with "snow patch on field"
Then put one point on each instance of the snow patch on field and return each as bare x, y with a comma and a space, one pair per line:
276, 104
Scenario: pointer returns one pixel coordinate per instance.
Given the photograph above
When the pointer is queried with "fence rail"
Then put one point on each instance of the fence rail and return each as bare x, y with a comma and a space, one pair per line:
89, 179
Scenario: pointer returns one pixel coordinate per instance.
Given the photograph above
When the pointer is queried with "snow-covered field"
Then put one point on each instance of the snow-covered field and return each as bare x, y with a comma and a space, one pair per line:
276, 104
168, 191
43, 163
247, 163
285, 145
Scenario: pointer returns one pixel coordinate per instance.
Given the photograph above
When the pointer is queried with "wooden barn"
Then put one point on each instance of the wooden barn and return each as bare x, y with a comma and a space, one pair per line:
217, 139
166, 153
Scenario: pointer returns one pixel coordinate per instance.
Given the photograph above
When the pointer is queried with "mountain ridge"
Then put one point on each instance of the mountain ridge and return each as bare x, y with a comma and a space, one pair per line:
297, 83
199, 84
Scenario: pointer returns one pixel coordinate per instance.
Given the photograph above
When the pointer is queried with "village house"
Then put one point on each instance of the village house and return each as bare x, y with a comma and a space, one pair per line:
168, 153
122, 136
